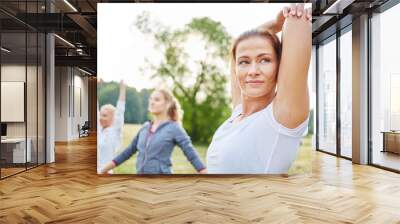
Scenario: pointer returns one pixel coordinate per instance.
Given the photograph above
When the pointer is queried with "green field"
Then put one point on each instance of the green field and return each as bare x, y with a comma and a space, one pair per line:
181, 165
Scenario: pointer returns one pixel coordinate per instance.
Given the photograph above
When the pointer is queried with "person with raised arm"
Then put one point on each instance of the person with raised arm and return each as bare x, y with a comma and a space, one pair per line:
110, 124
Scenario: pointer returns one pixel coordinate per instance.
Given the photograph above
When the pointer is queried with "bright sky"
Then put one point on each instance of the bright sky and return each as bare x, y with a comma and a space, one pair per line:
122, 48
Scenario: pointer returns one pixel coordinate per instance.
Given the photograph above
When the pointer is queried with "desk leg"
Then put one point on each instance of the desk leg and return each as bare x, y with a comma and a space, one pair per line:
384, 142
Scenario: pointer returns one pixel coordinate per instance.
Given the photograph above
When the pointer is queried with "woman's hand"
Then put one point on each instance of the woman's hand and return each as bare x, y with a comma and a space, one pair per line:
203, 171
295, 10
103, 171
109, 166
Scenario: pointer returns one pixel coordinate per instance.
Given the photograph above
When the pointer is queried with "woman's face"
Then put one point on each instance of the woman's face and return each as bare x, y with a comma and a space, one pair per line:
106, 118
256, 66
157, 103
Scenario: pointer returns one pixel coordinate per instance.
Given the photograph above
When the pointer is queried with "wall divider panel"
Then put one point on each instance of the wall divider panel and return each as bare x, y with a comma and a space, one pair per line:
22, 61
334, 93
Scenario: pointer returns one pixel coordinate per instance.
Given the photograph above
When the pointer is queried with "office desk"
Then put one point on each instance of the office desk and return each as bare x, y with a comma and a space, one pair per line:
391, 141
13, 150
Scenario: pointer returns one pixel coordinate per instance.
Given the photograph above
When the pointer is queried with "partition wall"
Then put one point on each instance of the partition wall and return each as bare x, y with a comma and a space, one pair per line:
335, 93
23, 91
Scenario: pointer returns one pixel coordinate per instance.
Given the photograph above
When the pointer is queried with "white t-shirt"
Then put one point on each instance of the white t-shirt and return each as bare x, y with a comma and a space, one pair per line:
258, 144
109, 139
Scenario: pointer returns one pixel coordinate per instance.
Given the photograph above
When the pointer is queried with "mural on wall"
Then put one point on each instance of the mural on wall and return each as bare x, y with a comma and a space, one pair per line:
170, 103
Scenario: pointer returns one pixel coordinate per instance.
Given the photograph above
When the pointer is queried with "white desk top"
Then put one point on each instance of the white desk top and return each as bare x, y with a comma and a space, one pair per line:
13, 140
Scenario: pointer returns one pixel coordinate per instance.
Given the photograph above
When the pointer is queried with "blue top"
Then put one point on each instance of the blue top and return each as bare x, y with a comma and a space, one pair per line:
155, 149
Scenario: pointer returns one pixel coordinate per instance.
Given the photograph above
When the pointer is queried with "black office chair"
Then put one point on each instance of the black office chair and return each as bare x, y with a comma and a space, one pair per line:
84, 130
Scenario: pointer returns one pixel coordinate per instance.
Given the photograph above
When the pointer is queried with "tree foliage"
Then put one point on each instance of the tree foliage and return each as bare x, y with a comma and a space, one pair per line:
202, 89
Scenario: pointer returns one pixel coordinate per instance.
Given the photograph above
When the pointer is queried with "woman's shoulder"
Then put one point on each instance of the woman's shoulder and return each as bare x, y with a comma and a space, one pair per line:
175, 125
145, 126
177, 128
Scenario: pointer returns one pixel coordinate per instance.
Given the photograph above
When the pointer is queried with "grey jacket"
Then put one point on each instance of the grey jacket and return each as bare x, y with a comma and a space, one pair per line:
155, 158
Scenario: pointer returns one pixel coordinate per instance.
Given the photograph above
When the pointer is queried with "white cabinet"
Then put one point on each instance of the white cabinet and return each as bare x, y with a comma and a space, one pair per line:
18, 149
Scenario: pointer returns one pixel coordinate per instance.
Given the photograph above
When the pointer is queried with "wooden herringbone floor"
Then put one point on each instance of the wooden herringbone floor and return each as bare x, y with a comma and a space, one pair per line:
69, 191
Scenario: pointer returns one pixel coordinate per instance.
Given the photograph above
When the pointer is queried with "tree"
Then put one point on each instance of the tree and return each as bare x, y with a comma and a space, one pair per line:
201, 89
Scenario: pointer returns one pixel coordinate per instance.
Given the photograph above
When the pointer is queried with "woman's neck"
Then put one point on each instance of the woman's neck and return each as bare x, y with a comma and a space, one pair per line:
158, 119
251, 105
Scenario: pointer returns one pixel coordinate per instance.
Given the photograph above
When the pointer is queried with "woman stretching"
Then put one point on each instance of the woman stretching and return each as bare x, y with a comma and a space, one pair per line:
110, 124
156, 140
270, 98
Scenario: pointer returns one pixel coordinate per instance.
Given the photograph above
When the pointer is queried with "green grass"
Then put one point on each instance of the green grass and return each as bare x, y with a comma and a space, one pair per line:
181, 165
302, 164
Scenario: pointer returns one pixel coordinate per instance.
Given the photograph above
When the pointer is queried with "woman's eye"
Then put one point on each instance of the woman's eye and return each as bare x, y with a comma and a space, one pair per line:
264, 60
243, 62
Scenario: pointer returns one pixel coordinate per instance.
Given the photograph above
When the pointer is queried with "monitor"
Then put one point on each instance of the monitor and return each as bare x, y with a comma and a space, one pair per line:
3, 129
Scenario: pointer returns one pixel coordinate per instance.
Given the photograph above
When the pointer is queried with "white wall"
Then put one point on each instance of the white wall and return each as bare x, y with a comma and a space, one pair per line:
12, 73
71, 94
61, 103
33, 126
16, 73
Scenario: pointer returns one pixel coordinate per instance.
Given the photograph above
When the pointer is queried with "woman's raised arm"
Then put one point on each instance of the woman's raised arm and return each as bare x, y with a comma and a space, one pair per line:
122, 91
291, 104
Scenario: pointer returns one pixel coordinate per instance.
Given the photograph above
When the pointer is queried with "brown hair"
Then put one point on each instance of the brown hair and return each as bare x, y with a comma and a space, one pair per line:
174, 110
276, 44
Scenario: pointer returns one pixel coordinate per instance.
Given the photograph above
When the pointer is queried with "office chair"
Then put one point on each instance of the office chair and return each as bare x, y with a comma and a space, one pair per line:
84, 130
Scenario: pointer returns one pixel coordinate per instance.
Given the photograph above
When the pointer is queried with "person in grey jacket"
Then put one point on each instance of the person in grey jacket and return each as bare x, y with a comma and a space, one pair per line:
156, 139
